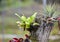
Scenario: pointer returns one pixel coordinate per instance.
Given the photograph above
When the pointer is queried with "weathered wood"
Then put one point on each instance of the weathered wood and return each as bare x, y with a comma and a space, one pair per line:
43, 31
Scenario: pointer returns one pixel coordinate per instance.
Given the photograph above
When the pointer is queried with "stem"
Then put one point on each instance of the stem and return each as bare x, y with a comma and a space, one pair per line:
24, 26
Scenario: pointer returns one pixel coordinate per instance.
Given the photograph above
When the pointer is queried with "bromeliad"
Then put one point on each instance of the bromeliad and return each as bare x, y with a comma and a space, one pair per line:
25, 22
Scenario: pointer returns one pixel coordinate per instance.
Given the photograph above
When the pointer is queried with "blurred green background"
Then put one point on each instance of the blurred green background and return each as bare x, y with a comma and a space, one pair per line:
27, 7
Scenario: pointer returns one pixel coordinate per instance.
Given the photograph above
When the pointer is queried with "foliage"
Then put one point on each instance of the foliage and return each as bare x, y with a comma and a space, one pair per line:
24, 21
50, 11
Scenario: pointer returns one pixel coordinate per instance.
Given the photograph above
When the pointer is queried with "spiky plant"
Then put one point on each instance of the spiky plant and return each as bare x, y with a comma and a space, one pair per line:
50, 11
47, 23
24, 21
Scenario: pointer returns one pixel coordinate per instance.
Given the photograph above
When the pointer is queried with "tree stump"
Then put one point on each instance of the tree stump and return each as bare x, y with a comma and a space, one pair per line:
43, 31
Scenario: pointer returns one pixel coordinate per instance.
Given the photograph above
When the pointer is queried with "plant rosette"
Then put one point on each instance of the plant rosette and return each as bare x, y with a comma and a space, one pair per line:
24, 23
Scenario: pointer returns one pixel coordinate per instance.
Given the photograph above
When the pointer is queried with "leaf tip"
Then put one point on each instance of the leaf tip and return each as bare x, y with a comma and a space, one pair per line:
35, 13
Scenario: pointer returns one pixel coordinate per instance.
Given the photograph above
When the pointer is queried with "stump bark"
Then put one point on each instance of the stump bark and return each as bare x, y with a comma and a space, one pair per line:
43, 31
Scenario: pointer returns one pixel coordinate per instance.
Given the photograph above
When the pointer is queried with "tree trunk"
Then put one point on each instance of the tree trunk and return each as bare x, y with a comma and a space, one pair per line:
46, 34
43, 34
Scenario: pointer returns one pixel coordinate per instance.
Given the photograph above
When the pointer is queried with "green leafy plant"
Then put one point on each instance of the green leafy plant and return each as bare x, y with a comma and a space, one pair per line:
50, 11
25, 22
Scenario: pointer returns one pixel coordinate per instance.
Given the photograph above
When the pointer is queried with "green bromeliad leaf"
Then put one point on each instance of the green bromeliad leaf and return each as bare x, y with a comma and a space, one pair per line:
50, 10
17, 15
31, 18
35, 23
26, 21
22, 24
23, 18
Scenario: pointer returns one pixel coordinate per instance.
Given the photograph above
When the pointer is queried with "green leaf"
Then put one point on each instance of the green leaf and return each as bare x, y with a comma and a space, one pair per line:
22, 24
50, 10
29, 20
33, 16
23, 18
35, 23
17, 15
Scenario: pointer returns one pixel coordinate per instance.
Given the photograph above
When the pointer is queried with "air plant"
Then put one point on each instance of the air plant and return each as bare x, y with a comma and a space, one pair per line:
25, 22
50, 11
